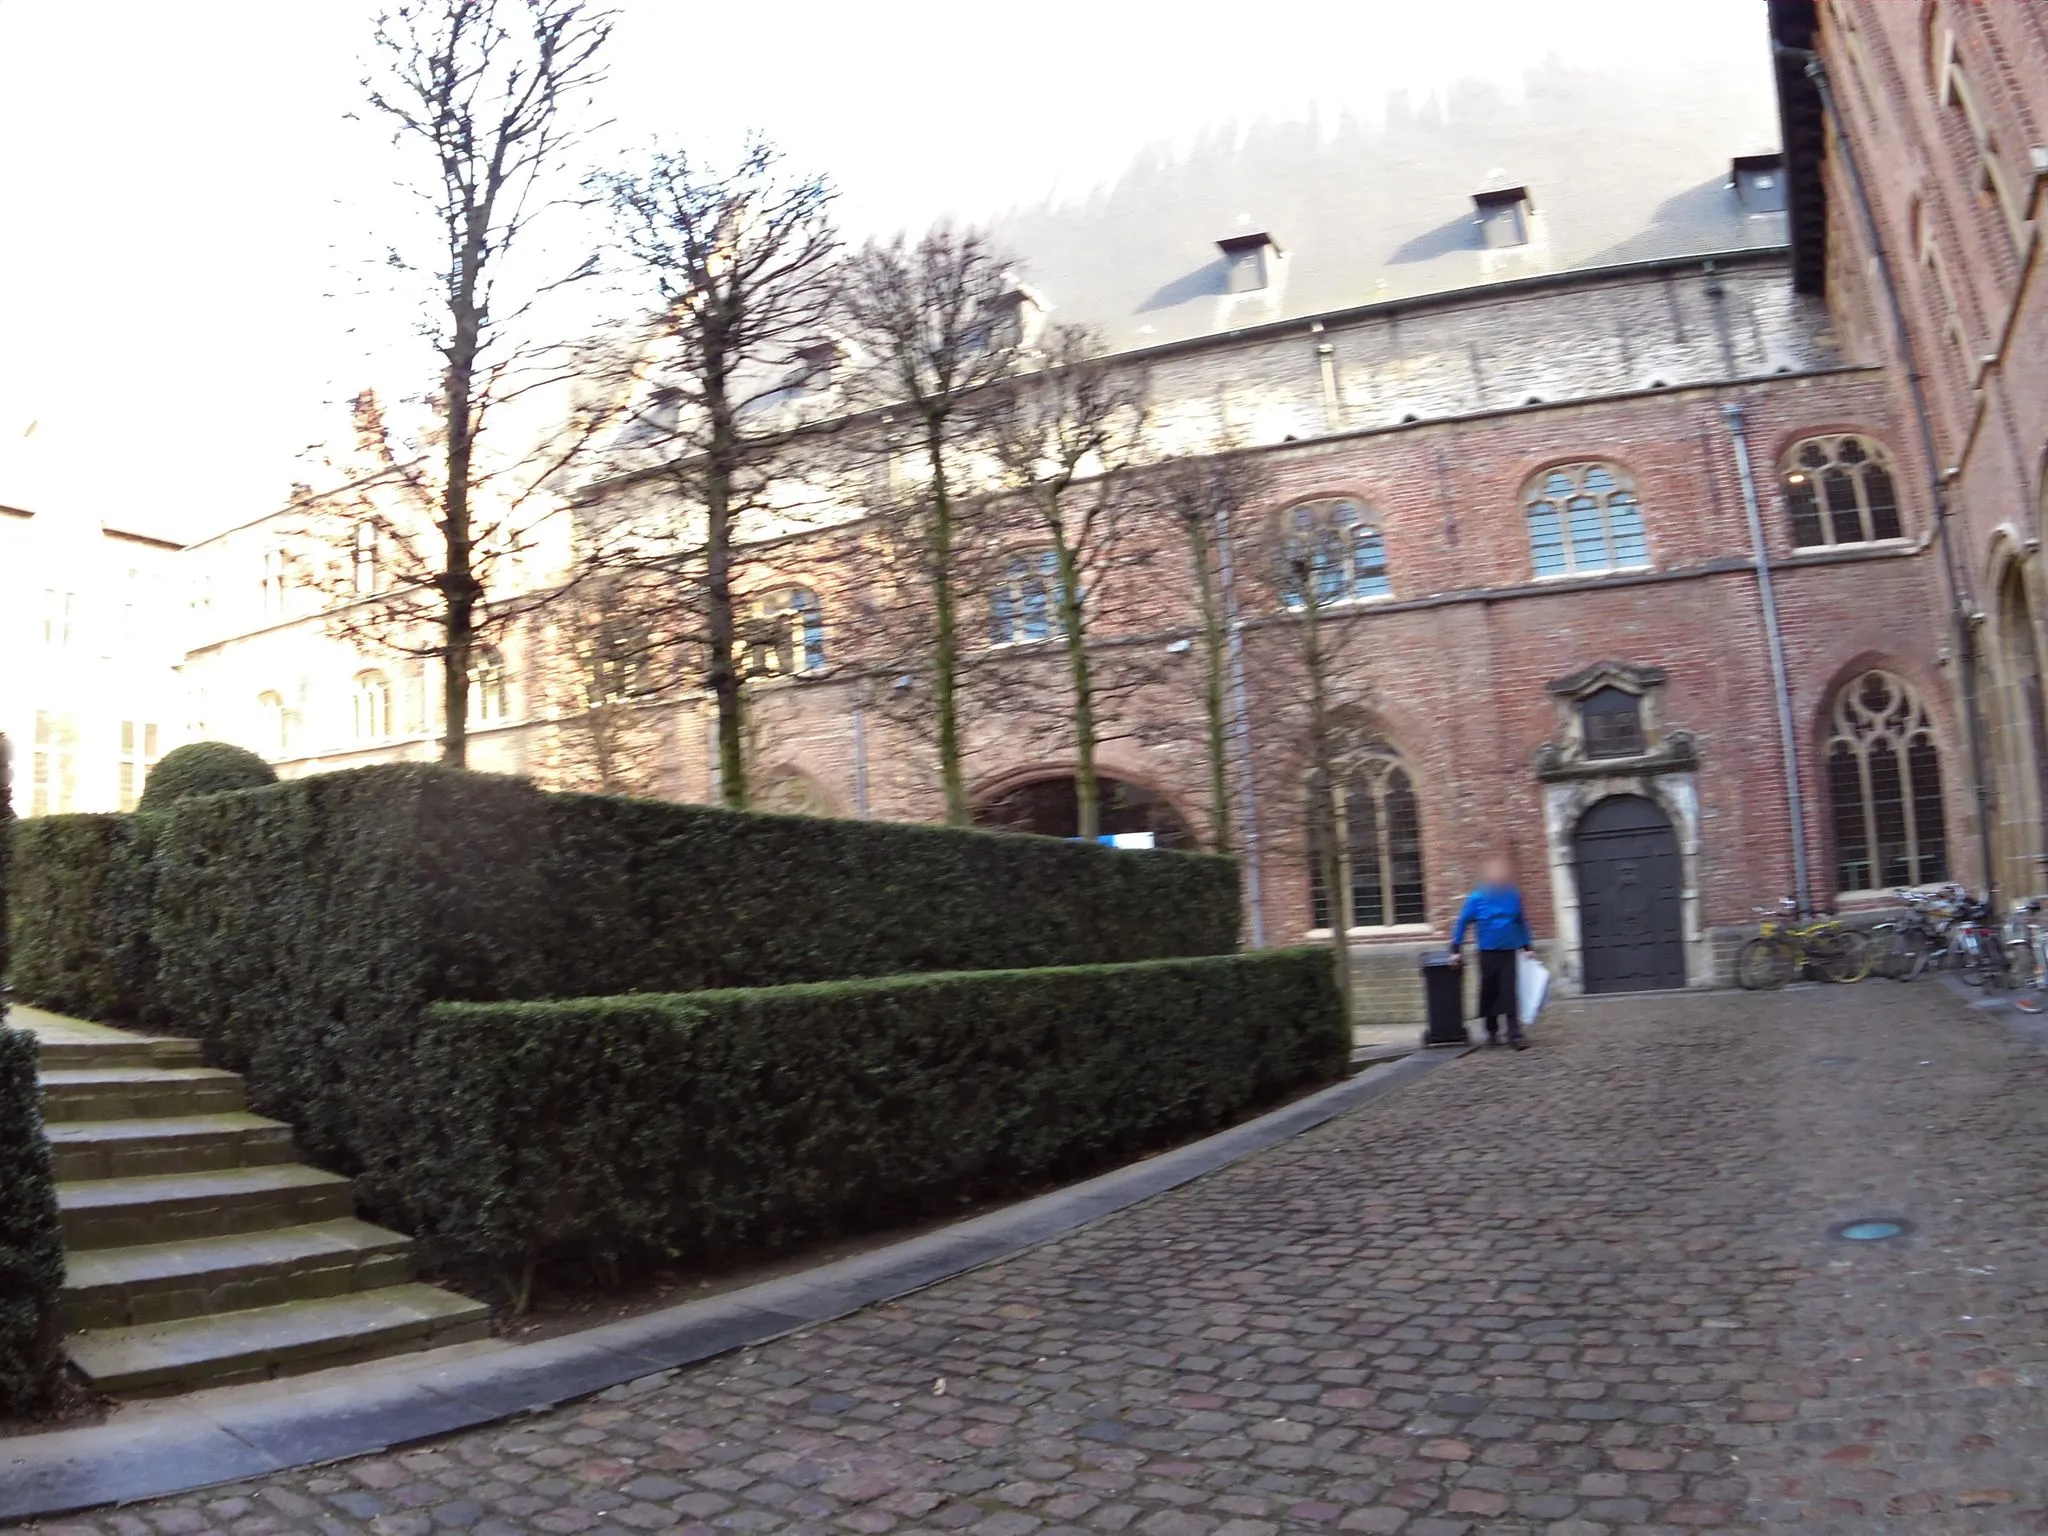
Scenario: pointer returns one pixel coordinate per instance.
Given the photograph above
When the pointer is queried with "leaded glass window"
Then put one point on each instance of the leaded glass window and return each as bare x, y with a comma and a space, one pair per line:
1884, 782
1585, 519
1838, 490
1335, 550
1377, 826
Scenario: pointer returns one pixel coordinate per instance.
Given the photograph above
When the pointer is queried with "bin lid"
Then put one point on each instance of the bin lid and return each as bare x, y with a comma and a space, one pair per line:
1433, 958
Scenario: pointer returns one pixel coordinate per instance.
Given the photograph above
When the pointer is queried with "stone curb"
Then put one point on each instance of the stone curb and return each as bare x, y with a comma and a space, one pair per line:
232, 1433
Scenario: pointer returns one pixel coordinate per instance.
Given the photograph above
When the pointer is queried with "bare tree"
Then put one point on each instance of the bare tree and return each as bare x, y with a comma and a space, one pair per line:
1315, 569
1065, 435
939, 322
742, 365
492, 93
1200, 495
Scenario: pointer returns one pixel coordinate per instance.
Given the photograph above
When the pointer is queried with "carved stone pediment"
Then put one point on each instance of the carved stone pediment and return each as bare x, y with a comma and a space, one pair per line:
1625, 675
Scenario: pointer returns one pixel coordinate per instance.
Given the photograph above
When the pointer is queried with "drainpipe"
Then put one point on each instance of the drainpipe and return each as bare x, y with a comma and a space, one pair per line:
1241, 730
1961, 612
1781, 687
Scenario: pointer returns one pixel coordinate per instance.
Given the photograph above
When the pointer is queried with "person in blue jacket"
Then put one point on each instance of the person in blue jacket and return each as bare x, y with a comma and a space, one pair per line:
1494, 912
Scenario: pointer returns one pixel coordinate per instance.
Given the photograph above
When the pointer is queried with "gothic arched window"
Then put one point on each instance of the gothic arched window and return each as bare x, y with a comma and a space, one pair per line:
1377, 827
1584, 519
1838, 490
1884, 782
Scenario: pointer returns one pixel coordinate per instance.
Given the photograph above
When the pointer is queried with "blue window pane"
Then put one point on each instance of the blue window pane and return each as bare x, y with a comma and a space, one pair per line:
1625, 519
1546, 539
1369, 564
1598, 481
1558, 486
1589, 534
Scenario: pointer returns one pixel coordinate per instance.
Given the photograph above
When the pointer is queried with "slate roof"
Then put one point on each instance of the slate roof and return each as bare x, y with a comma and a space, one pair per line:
1619, 168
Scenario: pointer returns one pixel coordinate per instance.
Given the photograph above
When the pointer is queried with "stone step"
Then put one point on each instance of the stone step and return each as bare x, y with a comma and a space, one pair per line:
136, 1051
137, 1093
163, 1282
166, 1208
120, 1149
259, 1343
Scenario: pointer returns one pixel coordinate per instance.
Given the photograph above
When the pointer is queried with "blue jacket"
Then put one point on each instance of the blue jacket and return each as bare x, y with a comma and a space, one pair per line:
1496, 912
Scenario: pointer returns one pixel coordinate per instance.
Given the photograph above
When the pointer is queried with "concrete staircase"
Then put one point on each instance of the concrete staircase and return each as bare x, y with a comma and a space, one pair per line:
198, 1253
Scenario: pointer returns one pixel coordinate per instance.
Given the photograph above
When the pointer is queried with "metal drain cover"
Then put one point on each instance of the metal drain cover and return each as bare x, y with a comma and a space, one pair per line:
1872, 1229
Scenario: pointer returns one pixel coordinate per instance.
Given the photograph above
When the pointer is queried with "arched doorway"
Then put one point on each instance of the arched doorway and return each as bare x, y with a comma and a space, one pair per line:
1051, 808
1630, 934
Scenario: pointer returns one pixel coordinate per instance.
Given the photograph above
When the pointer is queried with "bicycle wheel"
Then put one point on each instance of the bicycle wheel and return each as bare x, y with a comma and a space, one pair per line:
1762, 965
1840, 957
2028, 998
1897, 952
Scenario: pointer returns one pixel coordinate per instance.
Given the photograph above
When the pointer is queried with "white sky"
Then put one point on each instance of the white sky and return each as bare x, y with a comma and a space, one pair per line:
185, 206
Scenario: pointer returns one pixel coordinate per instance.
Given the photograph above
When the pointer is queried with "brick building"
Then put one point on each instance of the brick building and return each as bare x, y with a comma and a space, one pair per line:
1917, 136
1644, 573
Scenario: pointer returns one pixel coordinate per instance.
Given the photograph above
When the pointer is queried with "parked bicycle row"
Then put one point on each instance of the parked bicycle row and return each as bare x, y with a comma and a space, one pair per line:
1945, 929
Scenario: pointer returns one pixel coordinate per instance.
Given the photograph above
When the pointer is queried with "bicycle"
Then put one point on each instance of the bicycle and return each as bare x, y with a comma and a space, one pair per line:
1786, 946
2026, 947
1904, 950
1976, 949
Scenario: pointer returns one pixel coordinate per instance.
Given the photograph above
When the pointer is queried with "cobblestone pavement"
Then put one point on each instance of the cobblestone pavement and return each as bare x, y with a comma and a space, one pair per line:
1590, 1289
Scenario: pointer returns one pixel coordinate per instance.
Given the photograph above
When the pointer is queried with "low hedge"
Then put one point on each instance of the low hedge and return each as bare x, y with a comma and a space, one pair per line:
753, 1119
82, 889
303, 927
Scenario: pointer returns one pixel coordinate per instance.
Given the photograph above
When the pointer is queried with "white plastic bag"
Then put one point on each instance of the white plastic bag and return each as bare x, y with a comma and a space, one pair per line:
1532, 986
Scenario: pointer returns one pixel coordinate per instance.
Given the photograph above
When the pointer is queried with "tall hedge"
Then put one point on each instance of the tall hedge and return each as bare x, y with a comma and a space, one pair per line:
31, 1241
82, 889
754, 1118
301, 928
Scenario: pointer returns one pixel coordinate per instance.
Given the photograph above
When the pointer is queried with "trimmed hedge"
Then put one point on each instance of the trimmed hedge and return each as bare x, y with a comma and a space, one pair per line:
663, 1125
82, 888
31, 1241
203, 768
303, 927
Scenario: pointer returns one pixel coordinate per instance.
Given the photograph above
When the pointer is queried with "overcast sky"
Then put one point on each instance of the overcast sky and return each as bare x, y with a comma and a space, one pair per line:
186, 208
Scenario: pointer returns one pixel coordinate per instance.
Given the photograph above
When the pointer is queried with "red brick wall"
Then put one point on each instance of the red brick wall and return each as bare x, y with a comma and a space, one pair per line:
1984, 356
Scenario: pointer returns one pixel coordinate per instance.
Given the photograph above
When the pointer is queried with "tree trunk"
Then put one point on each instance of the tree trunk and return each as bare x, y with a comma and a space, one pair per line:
1213, 723
945, 631
1323, 808
458, 575
1074, 625
723, 674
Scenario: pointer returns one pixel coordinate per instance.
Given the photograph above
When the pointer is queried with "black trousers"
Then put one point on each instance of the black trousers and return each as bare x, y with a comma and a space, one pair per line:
1497, 1001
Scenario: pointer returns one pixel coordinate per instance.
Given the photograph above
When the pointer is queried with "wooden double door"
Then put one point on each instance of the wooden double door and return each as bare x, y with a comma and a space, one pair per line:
1631, 934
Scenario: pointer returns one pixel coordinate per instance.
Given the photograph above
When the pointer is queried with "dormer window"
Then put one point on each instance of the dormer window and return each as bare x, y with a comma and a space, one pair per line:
1248, 262
1503, 215
1759, 182
1612, 719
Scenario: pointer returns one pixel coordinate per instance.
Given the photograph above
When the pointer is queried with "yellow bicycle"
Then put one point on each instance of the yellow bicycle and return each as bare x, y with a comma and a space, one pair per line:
1786, 946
